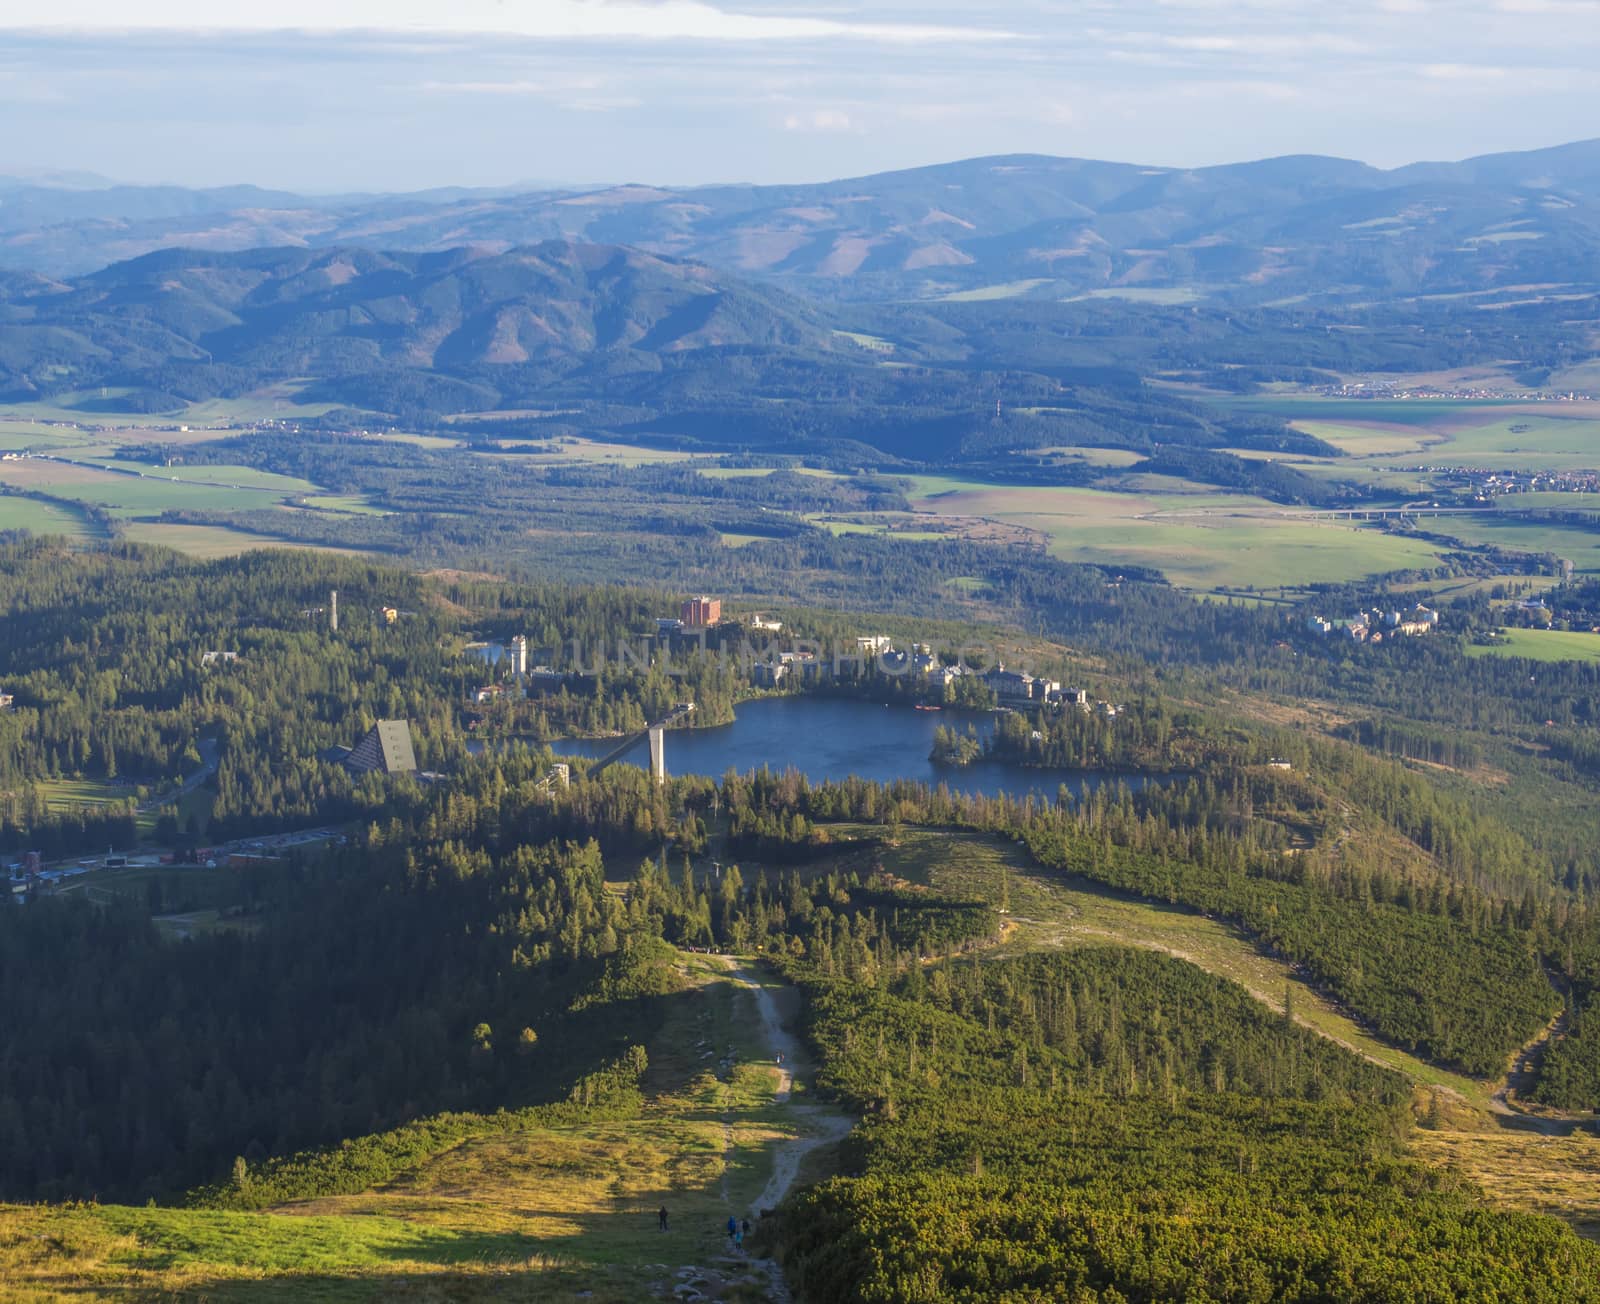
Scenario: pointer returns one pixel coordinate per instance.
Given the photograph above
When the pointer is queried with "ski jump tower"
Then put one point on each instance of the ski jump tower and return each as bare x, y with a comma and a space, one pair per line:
656, 733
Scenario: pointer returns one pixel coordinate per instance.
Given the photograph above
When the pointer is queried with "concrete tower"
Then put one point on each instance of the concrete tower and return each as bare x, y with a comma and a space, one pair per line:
658, 755
333, 611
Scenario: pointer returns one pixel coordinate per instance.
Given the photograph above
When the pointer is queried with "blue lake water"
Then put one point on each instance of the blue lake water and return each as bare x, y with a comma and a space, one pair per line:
834, 738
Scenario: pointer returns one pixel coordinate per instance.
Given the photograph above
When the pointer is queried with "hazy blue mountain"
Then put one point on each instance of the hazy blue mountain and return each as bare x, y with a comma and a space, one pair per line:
1271, 230
336, 311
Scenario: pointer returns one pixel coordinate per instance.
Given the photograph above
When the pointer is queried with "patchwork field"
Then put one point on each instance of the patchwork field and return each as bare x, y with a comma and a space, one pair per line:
132, 494
1200, 540
1506, 434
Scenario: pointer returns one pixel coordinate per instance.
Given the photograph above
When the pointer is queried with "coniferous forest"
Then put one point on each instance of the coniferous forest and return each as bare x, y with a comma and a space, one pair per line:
484, 950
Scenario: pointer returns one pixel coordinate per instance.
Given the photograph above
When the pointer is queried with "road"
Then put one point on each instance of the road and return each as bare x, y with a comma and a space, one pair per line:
208, 750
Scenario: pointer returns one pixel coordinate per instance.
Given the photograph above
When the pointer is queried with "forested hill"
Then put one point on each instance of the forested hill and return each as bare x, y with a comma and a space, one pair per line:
1247, 232
567, 337
326, 311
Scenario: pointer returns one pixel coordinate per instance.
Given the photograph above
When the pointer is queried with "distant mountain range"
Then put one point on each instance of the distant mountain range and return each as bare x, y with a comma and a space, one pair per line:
1277, 230
563, 337
338, 311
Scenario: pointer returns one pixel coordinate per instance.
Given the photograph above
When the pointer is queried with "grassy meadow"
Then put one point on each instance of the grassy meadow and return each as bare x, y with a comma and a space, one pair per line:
18, 513
541, 1213
1541, 645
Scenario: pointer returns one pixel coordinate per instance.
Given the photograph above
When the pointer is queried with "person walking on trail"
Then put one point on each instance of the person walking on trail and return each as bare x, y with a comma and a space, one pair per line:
733, 1227
738, 1241
744, 1227
661, 1214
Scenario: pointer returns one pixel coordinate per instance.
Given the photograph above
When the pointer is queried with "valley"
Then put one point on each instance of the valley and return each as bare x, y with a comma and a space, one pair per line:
1025, 724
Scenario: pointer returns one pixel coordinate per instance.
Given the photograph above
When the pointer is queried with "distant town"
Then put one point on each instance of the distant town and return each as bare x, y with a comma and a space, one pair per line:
1376, 625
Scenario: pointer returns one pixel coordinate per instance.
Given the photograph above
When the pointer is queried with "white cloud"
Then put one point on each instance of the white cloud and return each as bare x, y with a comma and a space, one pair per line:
1320, 43
588, 96
819, 120
1463, 72
549, 19
1586, 8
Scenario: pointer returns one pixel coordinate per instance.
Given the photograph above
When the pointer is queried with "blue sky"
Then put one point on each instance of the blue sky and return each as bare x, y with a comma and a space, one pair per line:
334, 95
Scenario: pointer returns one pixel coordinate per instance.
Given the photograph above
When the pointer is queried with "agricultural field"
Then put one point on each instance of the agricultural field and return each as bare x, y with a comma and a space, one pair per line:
754, 472
98, 407
18, 513
205, 473
345, 504
987, 293
131, 494
1367, 440
1500, 434
1167, 296
573, 451
18, 436
1541, 645
210, 541
1574, 543
1108, 457
882, 524
1201, 540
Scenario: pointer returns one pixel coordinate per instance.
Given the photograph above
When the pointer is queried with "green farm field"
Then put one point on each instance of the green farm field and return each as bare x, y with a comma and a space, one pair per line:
1503, 434
1201, 540
572, 451
1364, 411
208, 542
756, 472
205, 473
1542, 645
276, 402
32, 514
142, 495
1576, 544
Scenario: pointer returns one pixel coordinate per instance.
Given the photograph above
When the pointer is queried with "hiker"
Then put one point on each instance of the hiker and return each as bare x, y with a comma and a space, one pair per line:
733, 1226
661, 1213
745, 1227
738, 1241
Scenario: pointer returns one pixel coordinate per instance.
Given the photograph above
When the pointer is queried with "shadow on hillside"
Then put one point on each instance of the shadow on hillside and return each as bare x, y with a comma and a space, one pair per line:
613, 1249
613, 1257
